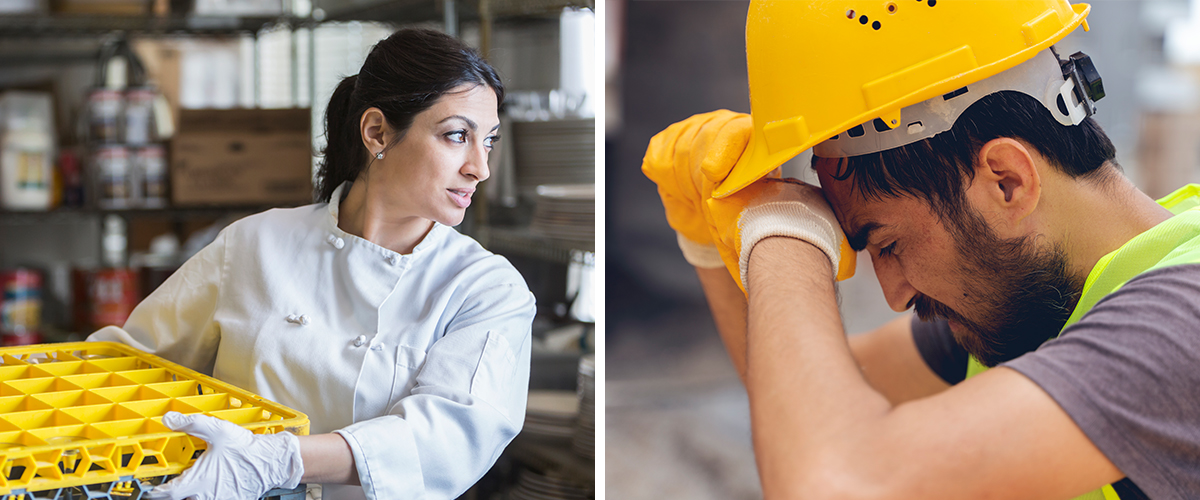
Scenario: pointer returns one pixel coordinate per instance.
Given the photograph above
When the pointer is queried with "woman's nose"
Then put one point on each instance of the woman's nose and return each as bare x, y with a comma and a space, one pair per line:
896, 288
477, 164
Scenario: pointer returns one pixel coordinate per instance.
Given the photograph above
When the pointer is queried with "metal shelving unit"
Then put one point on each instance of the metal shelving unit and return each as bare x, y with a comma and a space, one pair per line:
76, 25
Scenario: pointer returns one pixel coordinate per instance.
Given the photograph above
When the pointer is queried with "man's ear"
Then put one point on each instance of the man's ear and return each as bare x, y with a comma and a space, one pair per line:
1007, 184
374, 130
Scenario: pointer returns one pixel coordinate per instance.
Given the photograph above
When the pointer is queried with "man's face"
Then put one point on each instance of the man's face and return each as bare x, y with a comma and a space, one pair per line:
1001, 297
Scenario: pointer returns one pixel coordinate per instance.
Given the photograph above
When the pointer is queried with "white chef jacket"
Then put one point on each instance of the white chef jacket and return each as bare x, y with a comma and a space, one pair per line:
420, 361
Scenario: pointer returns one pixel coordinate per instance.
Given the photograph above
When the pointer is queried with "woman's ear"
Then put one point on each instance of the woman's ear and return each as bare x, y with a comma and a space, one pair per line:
374, 129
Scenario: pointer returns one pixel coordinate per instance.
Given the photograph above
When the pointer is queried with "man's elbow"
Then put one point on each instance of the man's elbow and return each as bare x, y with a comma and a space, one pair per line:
837, 482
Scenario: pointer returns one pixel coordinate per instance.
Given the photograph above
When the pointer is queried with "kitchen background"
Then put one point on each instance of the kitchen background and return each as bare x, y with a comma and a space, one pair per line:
132, 131
677, 422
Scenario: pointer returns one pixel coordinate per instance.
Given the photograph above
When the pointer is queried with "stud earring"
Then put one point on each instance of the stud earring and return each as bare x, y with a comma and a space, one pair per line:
379, 155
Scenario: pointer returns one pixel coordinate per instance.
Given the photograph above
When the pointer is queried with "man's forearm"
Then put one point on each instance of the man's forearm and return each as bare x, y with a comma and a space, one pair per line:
728, 307
802, 379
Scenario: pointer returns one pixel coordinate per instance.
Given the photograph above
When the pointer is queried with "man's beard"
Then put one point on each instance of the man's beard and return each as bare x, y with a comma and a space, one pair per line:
1021, 294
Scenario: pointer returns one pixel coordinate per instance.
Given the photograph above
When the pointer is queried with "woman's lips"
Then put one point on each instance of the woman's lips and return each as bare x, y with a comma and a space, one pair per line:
461, 197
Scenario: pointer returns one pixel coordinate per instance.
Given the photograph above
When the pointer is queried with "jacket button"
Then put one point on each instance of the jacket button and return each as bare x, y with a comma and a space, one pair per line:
360, 340
391, 260
339, 243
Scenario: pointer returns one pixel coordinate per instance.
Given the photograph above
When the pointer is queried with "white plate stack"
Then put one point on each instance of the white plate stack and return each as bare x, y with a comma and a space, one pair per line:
551, 414
555, 152
535, 486
584, 441
566, 212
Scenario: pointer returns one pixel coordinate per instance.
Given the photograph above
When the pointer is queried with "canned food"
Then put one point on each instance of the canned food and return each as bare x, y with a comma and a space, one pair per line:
21, 306
151, 167
112, 295
139, 112
104, 115
111, 164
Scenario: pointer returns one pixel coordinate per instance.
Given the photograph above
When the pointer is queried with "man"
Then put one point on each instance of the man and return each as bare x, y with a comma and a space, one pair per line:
992, 204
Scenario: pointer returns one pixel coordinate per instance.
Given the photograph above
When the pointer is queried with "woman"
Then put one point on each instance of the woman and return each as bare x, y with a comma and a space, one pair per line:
406, 343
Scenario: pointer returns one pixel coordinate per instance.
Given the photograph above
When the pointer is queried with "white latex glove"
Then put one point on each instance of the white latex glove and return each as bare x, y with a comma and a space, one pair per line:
238, 464
777, 207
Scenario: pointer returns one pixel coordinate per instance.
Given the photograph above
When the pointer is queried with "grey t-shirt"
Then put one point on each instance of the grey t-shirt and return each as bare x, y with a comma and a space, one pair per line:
1128, 373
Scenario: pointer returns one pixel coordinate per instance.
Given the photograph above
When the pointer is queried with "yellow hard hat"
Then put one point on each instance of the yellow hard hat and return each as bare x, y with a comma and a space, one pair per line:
820, 67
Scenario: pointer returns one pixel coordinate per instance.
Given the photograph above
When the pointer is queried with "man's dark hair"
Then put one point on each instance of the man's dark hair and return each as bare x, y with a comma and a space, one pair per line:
938, 169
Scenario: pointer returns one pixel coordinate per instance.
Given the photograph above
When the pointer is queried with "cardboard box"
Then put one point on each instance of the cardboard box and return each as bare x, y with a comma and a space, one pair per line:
242, 157
105, 7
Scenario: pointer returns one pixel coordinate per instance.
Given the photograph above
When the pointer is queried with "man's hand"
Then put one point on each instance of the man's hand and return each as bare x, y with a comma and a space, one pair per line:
686, 161
238, 464
776, 207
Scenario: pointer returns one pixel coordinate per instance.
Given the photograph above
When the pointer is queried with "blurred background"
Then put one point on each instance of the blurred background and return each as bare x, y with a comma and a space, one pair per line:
677, 417
132, 131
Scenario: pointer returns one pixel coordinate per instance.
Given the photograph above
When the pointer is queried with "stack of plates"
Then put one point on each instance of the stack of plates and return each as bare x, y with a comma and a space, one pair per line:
555, 152
584, 441
551, 413
566, 212
534, 486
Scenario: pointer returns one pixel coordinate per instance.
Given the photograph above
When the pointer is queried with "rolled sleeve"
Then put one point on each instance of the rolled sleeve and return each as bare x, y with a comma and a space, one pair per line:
467, 405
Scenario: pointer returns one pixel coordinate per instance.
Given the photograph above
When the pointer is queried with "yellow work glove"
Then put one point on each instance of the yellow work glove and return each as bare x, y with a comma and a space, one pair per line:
687, 160
777, 207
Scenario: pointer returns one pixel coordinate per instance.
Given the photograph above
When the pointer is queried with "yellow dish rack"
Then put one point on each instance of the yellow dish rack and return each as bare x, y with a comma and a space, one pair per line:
87, 413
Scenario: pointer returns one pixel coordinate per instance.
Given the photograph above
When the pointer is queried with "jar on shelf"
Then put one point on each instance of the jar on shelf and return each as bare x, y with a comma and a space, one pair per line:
110, 165
139, 116
150, 175
104, 107
20, 306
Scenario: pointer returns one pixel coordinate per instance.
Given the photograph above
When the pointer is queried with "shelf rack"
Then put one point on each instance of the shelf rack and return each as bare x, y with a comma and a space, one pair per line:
526, 243
61, 25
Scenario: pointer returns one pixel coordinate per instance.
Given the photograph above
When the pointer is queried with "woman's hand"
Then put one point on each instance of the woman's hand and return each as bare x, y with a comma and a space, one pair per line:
238, 464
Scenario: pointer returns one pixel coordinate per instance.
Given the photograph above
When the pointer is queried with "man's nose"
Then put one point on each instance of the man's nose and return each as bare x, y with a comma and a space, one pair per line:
896, 288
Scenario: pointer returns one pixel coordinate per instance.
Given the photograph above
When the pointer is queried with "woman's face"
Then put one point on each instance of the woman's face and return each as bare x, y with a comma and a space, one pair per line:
434, 170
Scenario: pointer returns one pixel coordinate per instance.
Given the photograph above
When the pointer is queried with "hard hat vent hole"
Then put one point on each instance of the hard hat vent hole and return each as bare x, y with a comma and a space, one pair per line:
876, 25
891, 7
880, 125
850, 14
953, 94
1062, 106
862, 20
857, 131
932, 3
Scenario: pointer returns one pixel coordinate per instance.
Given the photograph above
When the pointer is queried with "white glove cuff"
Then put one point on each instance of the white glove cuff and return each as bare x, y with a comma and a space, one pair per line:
293, 468
786, 218
703, 255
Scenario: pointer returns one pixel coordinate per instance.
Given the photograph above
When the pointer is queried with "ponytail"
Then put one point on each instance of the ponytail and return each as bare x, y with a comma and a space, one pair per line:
343, 156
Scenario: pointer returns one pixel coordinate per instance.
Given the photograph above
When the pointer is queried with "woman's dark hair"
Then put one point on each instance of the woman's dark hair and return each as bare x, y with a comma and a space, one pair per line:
404, 74
938, 169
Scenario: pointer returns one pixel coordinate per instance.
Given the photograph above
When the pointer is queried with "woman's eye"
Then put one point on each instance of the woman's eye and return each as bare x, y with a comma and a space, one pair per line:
459, 136
888, 250
490, 142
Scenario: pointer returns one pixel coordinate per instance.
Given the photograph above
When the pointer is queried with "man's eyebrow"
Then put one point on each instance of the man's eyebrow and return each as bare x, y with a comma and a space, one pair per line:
858, 240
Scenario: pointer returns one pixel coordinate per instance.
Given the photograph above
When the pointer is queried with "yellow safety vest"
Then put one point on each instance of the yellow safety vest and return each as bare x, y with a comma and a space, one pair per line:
1173, 242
